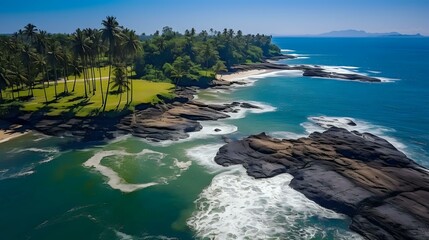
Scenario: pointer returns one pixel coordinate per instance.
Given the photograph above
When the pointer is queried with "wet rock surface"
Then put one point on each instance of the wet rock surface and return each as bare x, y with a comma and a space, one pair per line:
358, 174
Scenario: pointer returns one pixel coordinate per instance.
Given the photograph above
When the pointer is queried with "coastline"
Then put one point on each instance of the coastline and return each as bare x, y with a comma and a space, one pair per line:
357, 174
171, 119
240, 75
12, 132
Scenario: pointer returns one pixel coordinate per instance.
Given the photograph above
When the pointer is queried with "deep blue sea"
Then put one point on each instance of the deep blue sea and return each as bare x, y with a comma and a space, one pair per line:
54, 188
398, 109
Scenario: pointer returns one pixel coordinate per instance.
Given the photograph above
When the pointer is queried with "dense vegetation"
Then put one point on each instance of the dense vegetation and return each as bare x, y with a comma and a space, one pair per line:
109, 61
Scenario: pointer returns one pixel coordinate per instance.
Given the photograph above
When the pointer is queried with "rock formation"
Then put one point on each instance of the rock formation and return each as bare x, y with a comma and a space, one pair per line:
361, 175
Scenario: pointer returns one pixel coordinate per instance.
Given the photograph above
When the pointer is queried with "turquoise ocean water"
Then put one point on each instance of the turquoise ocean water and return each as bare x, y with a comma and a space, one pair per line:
54, 188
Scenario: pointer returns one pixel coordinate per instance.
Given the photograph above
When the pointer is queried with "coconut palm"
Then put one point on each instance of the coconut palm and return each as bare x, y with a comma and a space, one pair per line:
40, 62
5, 81
98, 48
111, 33
30, 32
219, 67
120, 81
131, 46
76, 70
91, 55
27, 55
55, 55
81, 48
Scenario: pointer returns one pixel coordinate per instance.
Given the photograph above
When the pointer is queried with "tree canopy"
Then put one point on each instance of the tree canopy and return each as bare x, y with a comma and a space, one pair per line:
33, 58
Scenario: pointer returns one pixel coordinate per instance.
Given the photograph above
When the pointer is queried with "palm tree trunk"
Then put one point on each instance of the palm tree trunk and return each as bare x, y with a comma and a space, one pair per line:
108, 85
74, 83
93, 75
120, 99
132, 90
126, 80
66, 77
101, 82
55, 81
84, 81
66, 89
44, 91
13, 94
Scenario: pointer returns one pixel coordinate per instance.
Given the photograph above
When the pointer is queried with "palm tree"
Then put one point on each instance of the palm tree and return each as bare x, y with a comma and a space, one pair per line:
219, 67
81, 48
18, 76
4, 79
110, 34
65, 61
131, 46
27, 55
41, 42
30, 32
41, 63
90, 33
98, 49
120, 81
77, 70
55, 57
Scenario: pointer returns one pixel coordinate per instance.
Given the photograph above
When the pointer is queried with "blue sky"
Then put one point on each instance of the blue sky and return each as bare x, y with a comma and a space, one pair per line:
278, 17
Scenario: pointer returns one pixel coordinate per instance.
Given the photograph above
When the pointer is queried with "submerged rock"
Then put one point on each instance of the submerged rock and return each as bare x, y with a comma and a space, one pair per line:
358, 174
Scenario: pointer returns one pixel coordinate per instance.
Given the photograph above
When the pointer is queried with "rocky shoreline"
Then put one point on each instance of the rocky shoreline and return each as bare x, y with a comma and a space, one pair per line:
173, 119
357, 174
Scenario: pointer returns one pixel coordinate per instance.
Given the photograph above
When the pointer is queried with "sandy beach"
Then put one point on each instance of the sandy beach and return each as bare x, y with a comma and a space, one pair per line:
6, 135
242, 74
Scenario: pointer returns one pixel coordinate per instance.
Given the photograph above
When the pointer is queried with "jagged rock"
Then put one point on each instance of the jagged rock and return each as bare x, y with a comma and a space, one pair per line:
358, 174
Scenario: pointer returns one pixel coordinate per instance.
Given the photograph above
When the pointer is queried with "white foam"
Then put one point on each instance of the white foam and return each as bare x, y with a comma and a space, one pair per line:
182, 165
374, 72
286, 135
249, 81
287, 50
39, 150
340, 69
204, 155
299, 56
48, 159
388, 80
115, 181
321, 123
40, 137
209, 129
285, 73
236, 206
123, 236
242, 112
174, 166
7, 174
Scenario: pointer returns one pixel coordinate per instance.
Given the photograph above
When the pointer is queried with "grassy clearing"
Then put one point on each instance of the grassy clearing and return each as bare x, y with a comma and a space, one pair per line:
75, 104
104, 73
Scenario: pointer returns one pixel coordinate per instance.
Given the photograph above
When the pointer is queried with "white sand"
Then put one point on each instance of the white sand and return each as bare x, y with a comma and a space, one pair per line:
6, 135
241, 75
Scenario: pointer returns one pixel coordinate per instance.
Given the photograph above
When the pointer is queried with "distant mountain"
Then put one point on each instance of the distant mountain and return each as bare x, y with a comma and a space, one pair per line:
360, 33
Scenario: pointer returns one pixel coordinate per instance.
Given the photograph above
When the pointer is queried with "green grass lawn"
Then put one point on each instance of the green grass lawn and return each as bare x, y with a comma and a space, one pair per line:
75, 104
104, 73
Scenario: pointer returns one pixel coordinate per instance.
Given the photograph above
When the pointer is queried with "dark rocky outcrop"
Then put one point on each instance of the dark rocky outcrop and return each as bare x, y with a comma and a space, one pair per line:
308, 70
171, 120
358, 174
